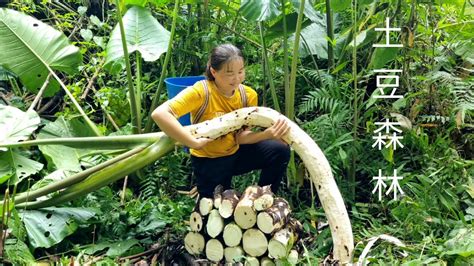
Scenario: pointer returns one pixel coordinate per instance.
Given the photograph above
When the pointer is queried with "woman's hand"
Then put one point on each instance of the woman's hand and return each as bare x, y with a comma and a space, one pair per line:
200, 143
278, 130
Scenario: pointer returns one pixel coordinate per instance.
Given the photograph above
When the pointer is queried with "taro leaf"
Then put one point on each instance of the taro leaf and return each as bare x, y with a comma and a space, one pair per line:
6, 75
16, 166
308, 11
142, 32
16, 125
86, 34
461, 242
49, 226
340, 5
382, 56
30, 46
63, 157
141, 3
18, 252
314, 41
97, 247
118, 248
114, 248
276, 30
260, 10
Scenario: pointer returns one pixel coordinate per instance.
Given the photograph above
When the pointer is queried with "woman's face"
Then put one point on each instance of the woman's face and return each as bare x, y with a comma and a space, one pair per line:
229, 76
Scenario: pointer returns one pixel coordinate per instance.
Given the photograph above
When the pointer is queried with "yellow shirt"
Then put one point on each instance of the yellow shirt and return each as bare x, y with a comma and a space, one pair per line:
192, 98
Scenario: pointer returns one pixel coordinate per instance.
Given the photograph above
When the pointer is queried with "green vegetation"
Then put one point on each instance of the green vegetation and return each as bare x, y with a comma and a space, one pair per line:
63, 74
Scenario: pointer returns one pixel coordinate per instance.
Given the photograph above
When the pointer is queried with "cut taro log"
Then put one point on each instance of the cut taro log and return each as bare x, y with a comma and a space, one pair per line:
281, 243
244, 214
251, 261
215, 224
233, 254
266, 261
232, 235
214, 250
195, 222
230, 199
293, 257
194, 243
295, 226
254, 242
265, 200
218, 196
275, 217
205, 206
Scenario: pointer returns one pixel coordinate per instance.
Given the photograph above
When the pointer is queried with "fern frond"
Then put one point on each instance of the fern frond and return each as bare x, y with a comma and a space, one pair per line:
463, 95
434, 119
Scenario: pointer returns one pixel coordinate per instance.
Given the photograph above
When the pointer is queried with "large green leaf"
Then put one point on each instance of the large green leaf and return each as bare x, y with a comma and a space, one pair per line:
276, 30
340, 5
28, 46
308, 11
18, 252
16, 166
314, 36
143, 34
49, 226
16, 125
461, 242
62, 157
260, 10
381, 56
114, 248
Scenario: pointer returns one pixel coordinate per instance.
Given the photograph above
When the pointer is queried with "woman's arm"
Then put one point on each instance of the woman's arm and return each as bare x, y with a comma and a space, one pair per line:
165, 119
278, 130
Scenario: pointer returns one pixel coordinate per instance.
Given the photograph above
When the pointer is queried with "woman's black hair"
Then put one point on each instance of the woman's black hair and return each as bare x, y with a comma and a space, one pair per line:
220, 55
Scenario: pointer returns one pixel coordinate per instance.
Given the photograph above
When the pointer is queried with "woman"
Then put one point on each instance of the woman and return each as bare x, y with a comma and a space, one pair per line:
216, 161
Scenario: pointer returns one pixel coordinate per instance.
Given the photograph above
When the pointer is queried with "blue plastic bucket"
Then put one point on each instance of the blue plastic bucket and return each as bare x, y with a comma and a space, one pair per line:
175, 85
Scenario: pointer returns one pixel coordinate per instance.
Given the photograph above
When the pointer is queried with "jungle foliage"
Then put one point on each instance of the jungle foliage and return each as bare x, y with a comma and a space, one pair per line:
64, 73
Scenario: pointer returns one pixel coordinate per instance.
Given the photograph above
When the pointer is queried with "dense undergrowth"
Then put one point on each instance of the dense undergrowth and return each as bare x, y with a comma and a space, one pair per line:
333, 103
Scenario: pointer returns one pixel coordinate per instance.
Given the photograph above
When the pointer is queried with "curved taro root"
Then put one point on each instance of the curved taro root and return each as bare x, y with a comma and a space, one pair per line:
313, 158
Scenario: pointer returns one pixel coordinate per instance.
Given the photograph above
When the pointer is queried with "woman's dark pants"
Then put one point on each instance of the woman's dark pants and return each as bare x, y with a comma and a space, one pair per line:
270, 156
